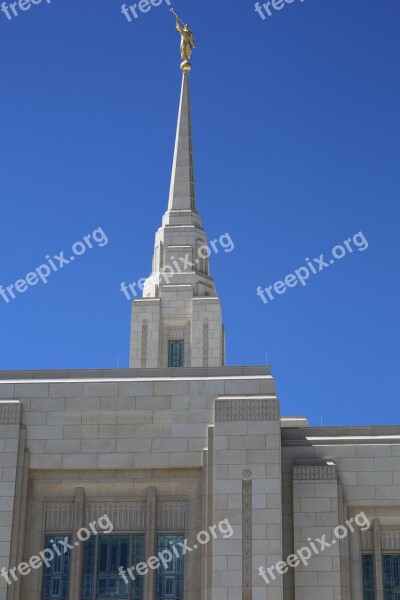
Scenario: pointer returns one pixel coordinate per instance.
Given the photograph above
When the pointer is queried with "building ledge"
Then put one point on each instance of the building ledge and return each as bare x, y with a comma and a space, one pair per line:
182, 373
342, 435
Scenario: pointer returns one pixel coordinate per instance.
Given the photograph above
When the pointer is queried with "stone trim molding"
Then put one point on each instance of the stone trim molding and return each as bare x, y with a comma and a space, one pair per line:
129, 375
246, 409
60, 516
177, 288
171, 515
10, 412
314, 472
207, 300
147, 302
125, 516
184, 228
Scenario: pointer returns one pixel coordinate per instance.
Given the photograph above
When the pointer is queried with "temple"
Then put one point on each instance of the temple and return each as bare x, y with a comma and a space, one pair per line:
211, 493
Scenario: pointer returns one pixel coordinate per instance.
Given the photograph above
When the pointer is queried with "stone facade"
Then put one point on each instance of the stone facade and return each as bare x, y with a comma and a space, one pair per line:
180, 450
101, 442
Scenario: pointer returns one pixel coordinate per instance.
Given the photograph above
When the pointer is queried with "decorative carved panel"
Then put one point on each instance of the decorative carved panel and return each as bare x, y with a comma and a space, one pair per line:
10, 412
205, 342
246, 410
171, 516
314, 472
390, 539
145, 329
176, 334
60, 516
125, 516
206, 301
367, 540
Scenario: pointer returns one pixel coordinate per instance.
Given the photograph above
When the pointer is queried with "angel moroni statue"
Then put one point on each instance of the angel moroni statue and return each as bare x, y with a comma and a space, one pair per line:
187, 43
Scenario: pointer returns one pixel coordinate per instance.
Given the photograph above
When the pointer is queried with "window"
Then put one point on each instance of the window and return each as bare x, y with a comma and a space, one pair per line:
56, 576
103, 556
170, 581
368, 576
175, 353
391, 576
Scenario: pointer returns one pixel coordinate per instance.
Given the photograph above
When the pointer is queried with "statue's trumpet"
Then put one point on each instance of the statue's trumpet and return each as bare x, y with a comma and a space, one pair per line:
177, 16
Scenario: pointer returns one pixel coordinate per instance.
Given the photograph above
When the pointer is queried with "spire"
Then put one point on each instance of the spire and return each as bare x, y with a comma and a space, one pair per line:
182, 192
178, 322
181, 233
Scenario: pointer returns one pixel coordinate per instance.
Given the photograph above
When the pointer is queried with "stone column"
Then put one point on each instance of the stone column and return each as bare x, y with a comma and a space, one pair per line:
75, 575
356, 591
378, 574
248, 474
150, 550
10, 499
344, 547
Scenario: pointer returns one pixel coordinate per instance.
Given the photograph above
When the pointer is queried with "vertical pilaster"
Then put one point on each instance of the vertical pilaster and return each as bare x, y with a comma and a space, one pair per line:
76, 560
19, 513
206, 329
145, 333
356, 592
316, 514
248, 472
344, 547
10, 500
210, 507
205, 524
247, 529
378, 574
151, 528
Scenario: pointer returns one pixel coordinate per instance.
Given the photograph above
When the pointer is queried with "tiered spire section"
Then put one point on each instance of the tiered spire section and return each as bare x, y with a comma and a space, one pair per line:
180, 250
182, 191
178, 321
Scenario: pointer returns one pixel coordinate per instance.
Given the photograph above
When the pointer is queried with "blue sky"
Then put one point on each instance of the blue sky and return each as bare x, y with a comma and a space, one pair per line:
296, 139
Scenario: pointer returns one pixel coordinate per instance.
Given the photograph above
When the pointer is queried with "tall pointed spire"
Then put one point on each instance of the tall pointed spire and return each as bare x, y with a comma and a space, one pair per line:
181, 234
178, 322
182, 190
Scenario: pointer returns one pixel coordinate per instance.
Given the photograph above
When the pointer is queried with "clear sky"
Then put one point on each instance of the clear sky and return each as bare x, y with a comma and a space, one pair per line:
296, 140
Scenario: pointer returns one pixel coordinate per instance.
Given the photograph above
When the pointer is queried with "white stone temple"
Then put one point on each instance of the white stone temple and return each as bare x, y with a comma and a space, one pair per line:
180, 443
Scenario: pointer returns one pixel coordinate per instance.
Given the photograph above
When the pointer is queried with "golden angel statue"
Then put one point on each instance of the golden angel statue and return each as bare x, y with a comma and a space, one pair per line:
187, 38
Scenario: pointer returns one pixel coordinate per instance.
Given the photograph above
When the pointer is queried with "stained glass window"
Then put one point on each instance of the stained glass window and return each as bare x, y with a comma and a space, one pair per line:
175, 353
56, 576
170, 580
137, 557
391, 576
103, 557
88, 568
368, 576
